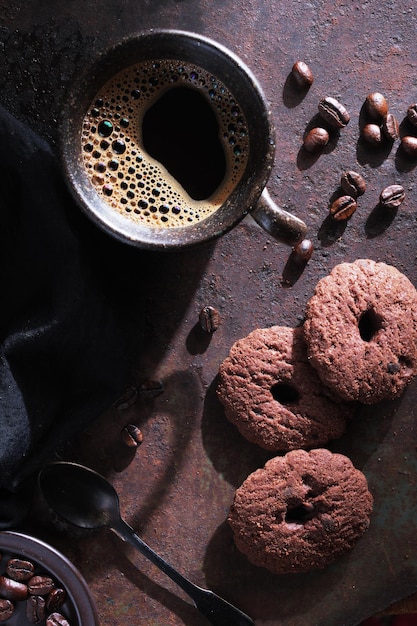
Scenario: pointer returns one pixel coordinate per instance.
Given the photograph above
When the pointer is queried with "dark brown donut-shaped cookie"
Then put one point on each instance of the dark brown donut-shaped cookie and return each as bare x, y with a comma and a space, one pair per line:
361, 331
301, 511
273, 395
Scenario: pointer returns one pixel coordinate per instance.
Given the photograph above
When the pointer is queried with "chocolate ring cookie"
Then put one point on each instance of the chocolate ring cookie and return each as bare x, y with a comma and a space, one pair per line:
301, 511
273, 395
361, 331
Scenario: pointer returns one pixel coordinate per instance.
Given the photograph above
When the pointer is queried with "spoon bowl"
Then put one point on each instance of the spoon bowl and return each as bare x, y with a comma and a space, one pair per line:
79, 495
86, 499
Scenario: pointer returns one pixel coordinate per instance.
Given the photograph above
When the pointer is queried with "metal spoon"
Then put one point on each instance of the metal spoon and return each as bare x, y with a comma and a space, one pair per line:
86, 499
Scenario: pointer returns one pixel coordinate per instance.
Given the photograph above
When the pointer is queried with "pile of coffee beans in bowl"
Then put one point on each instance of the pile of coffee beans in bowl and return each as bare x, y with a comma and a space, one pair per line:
42, 596
38, 585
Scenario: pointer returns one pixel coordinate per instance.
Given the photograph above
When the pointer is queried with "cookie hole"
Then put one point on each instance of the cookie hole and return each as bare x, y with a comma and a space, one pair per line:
369, 324
315, 487
309, 481
300, 514
285, 394
405, 363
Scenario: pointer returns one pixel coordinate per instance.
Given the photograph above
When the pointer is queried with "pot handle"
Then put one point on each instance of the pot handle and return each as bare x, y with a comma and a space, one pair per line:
281, 224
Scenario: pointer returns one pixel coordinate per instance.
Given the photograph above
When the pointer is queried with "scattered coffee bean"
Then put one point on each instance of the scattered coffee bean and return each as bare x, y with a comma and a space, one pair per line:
302, 74
392, 196
376, 105
412, 114
343, 207
56, 619
40, 585
151, 388
209, 319
303, 252
12, 589
316, 139
333, 112
55, 599
409, 146
132, 436
19, 569
35, 609
390, 127
353, 184
372, 134
127, 399
6, 609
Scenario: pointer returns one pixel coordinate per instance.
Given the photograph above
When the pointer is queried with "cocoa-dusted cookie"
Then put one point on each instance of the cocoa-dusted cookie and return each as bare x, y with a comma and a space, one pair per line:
273, 395
361, 331
301, 511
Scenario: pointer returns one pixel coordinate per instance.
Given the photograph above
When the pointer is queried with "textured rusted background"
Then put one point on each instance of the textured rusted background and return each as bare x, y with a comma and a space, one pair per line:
177, 489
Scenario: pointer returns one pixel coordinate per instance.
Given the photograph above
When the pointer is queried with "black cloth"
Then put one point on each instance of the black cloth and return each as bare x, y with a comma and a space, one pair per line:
64, 353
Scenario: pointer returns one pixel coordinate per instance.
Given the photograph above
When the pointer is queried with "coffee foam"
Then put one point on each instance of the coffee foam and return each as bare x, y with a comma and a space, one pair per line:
124, 175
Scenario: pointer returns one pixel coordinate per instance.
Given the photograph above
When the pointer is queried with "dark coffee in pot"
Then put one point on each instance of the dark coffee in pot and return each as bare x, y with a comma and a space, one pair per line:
165, 143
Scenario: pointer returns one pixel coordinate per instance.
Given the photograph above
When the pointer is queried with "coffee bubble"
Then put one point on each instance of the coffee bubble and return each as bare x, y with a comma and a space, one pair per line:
142, 187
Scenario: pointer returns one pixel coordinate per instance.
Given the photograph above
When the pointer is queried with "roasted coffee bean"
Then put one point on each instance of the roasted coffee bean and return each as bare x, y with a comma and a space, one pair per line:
6, 609
302, 74
35, 609
412, 114
19, 569
342, 208
409, 146
151, 388
372, 134
12, 589
55, 599
127, 399
56, 619
132, 436
40, 585
303, 252
376, 105
353, 184
392, 196
390, 127
209, 319
333, 112
316, 139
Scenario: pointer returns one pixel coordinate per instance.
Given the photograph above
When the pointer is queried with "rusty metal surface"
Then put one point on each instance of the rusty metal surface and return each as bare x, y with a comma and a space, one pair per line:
177, 489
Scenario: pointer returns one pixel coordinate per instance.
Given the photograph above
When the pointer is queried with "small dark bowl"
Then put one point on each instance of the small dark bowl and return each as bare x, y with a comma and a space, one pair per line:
79, 607
214, 58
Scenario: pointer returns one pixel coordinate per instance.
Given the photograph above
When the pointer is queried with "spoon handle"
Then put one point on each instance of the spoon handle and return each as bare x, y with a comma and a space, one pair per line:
218, 611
